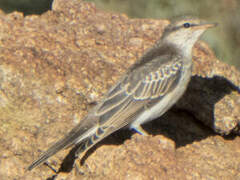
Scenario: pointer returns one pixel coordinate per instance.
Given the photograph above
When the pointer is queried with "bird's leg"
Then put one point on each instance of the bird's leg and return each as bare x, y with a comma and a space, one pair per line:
140, 130
49, 166
79, 154
77, 166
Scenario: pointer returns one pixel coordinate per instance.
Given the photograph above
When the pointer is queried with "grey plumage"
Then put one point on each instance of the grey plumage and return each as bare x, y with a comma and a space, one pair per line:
148, 89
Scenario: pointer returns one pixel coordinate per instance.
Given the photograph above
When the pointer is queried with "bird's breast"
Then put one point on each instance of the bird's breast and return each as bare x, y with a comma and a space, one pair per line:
163, 104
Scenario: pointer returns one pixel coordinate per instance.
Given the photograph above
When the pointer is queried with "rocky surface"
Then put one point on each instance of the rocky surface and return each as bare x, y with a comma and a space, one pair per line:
54, 67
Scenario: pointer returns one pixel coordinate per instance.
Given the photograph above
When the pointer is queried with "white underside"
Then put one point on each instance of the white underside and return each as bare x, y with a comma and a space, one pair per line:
165, 103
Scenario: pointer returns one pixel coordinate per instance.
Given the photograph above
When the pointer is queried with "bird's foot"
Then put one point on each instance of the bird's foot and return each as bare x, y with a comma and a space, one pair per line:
140, 130
50, 167
78, 168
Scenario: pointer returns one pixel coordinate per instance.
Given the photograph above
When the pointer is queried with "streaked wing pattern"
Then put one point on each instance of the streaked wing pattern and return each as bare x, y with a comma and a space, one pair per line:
157, 83
124, 100
121, 106
108, 127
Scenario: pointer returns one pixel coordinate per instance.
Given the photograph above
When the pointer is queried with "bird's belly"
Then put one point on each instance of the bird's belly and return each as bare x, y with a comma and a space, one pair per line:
155, 111
163, 105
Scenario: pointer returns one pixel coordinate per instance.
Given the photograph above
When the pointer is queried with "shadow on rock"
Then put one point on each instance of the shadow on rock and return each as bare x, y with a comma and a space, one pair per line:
214, 102
191, 119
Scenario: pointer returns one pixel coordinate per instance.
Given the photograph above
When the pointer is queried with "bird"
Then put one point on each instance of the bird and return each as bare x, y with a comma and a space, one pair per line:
150, 87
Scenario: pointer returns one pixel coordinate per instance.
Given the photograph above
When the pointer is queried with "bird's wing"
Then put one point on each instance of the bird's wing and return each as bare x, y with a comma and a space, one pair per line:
121, 105
140, 86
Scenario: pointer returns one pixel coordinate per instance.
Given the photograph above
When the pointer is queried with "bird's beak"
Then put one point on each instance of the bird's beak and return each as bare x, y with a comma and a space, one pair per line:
206, 25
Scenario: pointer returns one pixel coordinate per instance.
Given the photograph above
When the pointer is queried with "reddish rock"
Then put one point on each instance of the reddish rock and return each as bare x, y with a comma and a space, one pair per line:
53, 67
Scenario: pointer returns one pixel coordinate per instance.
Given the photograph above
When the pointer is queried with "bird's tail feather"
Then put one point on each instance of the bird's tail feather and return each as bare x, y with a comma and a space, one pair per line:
91, 140
77, 136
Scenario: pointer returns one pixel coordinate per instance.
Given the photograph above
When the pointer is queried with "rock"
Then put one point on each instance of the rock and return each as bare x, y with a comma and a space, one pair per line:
213, 93
55, 66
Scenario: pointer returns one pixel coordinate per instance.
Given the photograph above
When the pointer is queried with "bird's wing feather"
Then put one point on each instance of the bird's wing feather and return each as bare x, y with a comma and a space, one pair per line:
157, 83
137, 89
122, 103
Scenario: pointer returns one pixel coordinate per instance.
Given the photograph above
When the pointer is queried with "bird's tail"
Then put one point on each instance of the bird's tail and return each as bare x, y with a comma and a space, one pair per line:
84, 134
90, 141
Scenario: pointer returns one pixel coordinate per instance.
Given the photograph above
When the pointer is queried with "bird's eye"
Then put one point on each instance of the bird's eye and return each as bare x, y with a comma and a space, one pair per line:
186, 25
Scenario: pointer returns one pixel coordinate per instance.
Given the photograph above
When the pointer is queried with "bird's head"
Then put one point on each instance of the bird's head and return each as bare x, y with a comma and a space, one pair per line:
184, 32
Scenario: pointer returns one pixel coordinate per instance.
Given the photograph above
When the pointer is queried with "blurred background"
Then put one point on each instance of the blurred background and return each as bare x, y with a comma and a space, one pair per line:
224, 40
